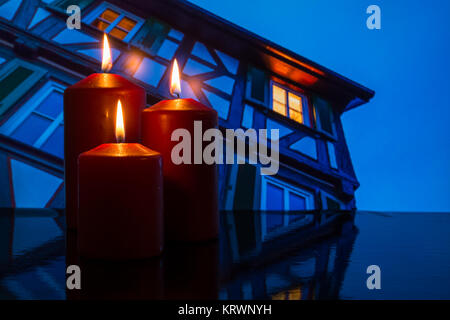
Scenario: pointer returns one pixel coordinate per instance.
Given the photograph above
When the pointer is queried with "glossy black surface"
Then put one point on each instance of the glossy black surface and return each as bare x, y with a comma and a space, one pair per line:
289, 262
315, 256
303, 260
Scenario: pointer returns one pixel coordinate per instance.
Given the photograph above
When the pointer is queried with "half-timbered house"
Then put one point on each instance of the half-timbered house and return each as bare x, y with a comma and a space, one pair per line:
250, 81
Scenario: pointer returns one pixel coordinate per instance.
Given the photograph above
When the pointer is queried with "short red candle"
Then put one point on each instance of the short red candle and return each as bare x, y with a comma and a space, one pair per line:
120, 202
190, 190
89, 113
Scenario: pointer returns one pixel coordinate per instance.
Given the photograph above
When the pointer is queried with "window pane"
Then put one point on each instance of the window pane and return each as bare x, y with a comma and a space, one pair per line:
295, 102
296, 116
127, 23
279, 95
274, 201
325, 120
274, 197
31, 129
296, 203
55, 143
52, 105
279, 107
258, 84
109, 15
332, 155
279, 100
295, 107
118, 33
14, 79
100, 24
323, 111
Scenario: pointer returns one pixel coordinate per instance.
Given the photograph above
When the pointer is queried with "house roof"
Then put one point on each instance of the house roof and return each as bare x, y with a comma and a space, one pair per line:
237, 41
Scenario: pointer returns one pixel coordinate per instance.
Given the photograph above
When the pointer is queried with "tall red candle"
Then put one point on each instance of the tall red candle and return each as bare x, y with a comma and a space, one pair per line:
190, 190
89, 108
120, 201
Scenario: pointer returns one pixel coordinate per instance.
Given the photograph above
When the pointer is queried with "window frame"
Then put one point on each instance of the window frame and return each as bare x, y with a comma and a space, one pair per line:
97, 11
326, 217
305, 102
29, 107
330, 155
325, 195
249, 83
287, 190
15, 95
317, 121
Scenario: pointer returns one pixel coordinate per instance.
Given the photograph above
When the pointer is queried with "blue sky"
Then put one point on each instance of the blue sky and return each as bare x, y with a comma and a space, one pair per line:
400, 141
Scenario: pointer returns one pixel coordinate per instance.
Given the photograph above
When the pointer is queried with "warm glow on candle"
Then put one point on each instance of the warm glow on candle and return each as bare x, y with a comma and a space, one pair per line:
107, 60
120, 130
175, 88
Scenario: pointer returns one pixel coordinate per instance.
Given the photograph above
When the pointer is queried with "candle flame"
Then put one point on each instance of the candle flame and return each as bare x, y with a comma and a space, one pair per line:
175, 87
107, 60
120, 130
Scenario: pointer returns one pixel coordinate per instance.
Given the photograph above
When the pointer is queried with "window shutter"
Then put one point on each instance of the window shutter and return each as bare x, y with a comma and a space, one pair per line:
245, 223
151, 36
257, 85
323, 115
333, 204
61, 5
245, 186
17, 77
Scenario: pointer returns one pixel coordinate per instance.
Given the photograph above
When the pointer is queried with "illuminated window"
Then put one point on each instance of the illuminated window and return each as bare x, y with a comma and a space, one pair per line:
39, 122
115, 21
279, 100
295, 107
290, 104
292, 294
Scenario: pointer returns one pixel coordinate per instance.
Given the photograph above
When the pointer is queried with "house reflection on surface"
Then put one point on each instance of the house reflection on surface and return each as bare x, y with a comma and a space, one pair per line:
260, 255
305, 259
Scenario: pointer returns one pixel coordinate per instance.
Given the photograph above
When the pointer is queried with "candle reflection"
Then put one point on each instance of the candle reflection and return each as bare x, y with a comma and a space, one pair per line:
140, 279
191, 271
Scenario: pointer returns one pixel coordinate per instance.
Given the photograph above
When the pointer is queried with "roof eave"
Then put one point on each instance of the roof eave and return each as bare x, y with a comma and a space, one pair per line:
247, 45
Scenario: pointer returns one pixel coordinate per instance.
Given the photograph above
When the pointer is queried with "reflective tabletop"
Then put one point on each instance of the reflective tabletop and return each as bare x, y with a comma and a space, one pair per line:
259, 255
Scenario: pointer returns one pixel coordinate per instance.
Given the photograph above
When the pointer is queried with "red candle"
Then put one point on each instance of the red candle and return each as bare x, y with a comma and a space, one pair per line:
120, 200
190, 190
89, 107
